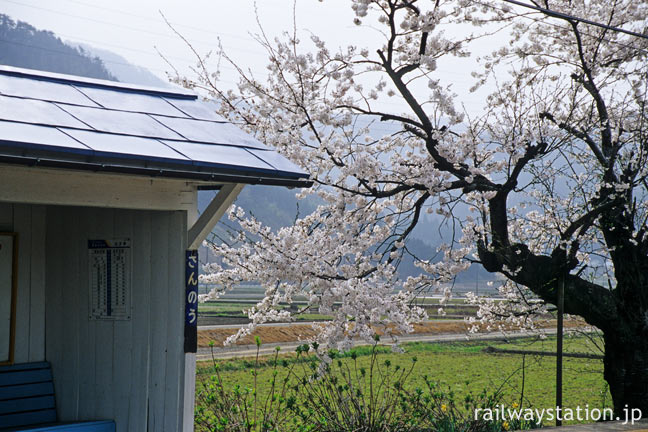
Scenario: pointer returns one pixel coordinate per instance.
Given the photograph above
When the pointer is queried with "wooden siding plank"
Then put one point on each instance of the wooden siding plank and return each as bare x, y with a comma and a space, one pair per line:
22, 225
56, 250
70, 279
6, 217
158, 302
141, 298
86, 354
175, 322
103, 228
37, 304
122, 342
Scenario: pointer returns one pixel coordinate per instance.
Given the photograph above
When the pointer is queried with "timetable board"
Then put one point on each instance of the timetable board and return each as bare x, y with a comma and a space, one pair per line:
110, 279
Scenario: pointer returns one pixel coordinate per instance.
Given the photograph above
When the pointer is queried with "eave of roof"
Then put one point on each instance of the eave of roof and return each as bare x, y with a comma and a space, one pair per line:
55, 120
96, 83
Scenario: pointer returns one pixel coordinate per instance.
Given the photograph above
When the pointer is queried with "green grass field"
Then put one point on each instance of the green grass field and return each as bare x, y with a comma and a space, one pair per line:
464, 368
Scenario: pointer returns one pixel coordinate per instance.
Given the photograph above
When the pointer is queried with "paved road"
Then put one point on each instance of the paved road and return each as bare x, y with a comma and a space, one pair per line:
250, 350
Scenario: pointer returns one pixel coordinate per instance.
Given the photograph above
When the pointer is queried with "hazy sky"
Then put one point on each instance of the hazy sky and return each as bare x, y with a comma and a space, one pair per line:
135, 28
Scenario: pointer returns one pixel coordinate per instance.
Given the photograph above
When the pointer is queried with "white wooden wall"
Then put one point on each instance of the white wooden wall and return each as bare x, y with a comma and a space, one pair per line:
29, 222
130, 371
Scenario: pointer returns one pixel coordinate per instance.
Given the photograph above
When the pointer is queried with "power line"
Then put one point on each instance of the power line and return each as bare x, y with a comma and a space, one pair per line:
377, 129
547, 11
73, 54
148, 18
568, 17
537, 8
82, 17
112, 24
77, 55
264, 74
136, 50
85, 18
130, 64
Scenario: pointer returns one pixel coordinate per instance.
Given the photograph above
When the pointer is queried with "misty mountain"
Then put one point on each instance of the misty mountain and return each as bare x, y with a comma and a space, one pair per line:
22, 45
122, 69
275, 206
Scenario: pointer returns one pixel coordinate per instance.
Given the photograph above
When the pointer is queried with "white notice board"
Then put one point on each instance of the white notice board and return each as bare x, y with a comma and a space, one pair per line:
110, 279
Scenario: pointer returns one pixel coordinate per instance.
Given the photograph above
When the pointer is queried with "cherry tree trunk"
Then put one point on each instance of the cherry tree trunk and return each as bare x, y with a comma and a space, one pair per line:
626, 372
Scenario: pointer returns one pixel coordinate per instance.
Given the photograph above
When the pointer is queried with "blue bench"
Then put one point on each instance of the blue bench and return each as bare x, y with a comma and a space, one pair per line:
27, 402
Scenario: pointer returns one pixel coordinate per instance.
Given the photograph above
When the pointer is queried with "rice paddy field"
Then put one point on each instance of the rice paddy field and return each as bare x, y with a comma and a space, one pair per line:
233, 310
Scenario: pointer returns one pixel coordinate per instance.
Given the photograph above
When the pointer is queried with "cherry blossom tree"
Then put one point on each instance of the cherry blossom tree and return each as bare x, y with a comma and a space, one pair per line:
548, 185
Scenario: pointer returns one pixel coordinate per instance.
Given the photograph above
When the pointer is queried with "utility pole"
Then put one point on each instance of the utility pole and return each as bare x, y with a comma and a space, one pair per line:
559, 348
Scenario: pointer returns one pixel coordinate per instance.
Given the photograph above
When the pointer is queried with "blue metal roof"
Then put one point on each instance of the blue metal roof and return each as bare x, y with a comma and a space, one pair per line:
65, 121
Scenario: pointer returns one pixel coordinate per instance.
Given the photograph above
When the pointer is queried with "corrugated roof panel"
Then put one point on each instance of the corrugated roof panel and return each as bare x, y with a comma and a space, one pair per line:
129, 101
197, 109
35, 111
279, 162
124, 144
121, 122
67, 122
218, 154
211, 132
39, 135
44, 90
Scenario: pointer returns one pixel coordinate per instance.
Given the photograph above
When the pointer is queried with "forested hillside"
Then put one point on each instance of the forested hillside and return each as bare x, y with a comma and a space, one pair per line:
22, 45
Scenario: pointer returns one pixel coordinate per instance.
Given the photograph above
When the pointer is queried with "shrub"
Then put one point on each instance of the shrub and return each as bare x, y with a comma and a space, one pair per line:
341, 392
239, 408
338, 395
341, 395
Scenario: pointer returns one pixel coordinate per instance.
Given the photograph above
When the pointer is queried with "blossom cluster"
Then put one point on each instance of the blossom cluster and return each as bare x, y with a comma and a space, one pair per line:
562, 140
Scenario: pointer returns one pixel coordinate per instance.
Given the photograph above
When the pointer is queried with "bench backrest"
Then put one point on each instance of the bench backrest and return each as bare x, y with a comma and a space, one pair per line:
26, 395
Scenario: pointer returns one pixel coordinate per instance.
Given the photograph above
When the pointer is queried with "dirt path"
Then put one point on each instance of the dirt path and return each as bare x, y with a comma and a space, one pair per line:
287, 336
238, 351
278, 333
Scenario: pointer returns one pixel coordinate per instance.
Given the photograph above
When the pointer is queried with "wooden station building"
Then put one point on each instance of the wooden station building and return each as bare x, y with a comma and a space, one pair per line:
99, 229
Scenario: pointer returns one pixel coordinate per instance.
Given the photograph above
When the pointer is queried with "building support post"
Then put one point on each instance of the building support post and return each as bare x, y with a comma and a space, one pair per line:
200, 229
212, 214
